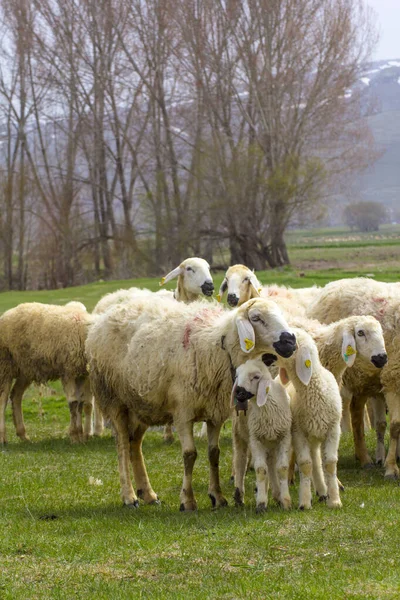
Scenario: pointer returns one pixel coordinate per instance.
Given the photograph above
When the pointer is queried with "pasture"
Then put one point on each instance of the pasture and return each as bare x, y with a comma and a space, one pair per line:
64, 532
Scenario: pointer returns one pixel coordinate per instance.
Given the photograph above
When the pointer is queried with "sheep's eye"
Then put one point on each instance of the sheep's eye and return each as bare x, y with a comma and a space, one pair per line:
256, 377
246, 279
361, 333
189, 269
257, 319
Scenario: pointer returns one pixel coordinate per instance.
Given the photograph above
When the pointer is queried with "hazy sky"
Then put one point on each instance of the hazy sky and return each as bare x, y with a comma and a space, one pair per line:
388, 12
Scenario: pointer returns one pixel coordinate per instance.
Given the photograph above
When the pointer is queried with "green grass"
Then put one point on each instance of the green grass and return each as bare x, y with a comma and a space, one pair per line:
62, 537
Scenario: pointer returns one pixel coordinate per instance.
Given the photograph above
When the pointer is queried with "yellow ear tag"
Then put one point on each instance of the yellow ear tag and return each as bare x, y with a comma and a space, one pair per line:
162, 281
350, 350
259, 290
218, 297
267, 390
307, 363
249, 344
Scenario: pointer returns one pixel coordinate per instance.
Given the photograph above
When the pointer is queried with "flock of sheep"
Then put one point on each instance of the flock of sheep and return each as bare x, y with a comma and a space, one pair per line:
287, 365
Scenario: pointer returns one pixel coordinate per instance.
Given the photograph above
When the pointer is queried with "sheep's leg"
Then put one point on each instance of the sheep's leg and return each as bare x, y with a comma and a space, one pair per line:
98, 420
189, 452
143, 486
168, 435
258, 452
86, 399
393, 403
121, 425
317, 473
330, 458
379, 411
272, 474
282, 469
357, 408
346, 416
17, 393
240, 451
214, 489
302, 450
75, 426
3, 405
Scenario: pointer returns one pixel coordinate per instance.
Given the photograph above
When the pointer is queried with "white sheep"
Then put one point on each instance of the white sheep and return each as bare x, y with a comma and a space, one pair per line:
154, 363
194, 280
265, 429
240, 284
316, 411
368, 297
40, 343
293, 300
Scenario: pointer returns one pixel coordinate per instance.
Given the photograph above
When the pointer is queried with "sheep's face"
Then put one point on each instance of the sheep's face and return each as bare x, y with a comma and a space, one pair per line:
252, 379
365, 339
260, 321
197, 277
241, 284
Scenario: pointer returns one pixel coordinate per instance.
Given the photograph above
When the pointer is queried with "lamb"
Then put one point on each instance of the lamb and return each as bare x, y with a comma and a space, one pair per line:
316, 410
40, 343
151, 363
265, 429
366, 296
194, 280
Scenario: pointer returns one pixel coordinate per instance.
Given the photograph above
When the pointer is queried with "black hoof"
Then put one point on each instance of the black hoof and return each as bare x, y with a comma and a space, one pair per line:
301, 507
341, 487
182, 507
157, 501
368, 466
391, 477
238, 498
322, 498
224, 502
134, 504
261, 508
379, 463
213, 500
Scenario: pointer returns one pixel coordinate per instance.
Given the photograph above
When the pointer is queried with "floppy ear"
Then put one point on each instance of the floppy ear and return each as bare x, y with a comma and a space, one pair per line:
256, 287
233, 393
262, 392
304, 365
247, 337
349, 348
171, 275
222, 290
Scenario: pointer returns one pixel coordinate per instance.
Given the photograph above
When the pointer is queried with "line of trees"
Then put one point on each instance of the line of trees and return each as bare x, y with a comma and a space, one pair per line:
134, 133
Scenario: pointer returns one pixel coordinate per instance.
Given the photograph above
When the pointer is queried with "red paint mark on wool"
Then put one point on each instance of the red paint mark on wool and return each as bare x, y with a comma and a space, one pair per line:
203, 318
77, 317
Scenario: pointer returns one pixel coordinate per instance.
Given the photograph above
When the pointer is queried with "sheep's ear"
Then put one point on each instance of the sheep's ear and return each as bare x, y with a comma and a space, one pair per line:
222, 290
304, 365
172, 275
233, 393
262, 392
256, 287
246, 333
283, 375
349, 348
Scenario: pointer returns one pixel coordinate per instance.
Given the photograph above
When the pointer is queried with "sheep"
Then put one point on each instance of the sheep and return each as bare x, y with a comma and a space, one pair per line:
293, 300
265, 429
241, 284
194, 280
316, 411
40, 343
366, 296
164, 361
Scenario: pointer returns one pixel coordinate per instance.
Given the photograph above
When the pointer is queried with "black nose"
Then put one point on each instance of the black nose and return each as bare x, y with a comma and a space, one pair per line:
286, 345
242, 394
379, 360
269, 359
207, 288
233, 300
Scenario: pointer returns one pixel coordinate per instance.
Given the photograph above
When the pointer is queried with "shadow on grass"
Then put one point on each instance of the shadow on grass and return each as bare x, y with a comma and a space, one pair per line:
59, 445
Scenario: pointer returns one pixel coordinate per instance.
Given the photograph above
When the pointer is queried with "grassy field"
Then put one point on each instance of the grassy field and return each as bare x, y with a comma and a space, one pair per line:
63, 536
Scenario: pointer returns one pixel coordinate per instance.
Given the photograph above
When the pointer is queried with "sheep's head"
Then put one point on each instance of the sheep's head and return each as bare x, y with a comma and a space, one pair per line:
241, 284
260, 321
252, 379
305, 359
364, 336
195, 277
